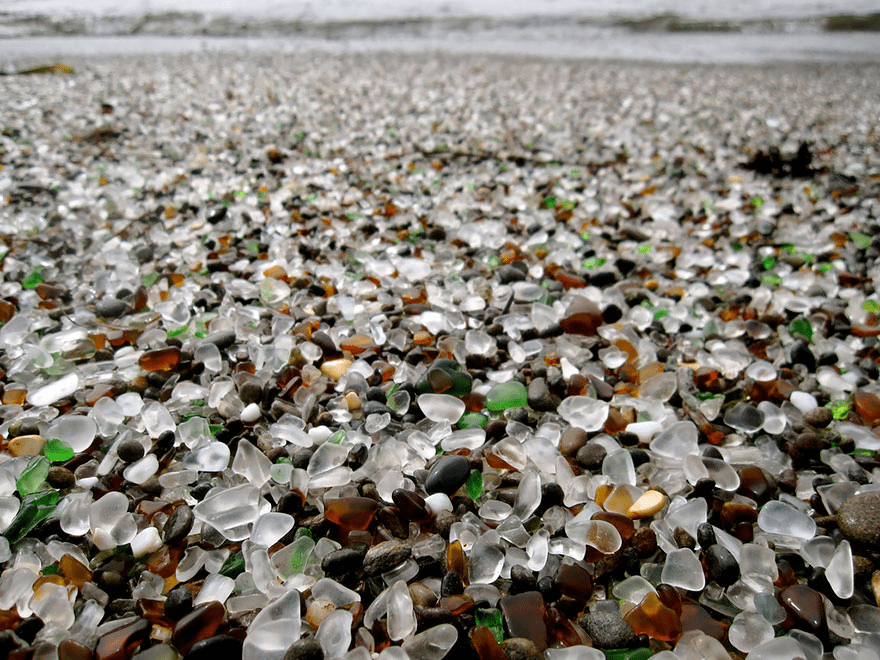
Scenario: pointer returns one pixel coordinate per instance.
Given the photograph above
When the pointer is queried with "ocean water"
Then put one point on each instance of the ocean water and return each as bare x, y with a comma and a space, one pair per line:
747, 31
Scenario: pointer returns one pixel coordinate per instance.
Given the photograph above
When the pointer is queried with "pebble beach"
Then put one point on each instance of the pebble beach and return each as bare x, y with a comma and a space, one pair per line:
421, 356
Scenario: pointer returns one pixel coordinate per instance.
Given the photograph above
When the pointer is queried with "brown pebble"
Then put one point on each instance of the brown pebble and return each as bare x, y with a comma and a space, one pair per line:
26, 445
650, 503
60, 477
572, 440
858, 518
644, 541
819, 417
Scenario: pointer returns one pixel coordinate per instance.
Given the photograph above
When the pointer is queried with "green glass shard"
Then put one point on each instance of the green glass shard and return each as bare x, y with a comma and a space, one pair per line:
491, 618
33, 479
840, 409
57, 451
801, 326
33, 278
474, 484
34, 509
472, 420
233, 566
860, 239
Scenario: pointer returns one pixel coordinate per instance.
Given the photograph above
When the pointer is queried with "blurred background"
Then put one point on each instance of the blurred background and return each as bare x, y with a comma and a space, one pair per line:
747, 31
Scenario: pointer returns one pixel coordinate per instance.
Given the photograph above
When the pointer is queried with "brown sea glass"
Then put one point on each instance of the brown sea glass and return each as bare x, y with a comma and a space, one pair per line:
583, 317
351, 512
652, 618
411, 506
73, 571
574, 581
121, 643
805, 606
867, 406
485, 644
161, 359
695, 617
73, 650
456, 561
199, 624
525, 615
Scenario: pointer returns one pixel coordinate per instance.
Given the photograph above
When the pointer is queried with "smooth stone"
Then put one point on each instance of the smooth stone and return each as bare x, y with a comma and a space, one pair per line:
858, 518
540, 397
385, 556
608, 630
130, 450
722, 565
218, 646
342, 561
520, 648
26, 445
441, 407
111, 308
819, 417
449, 474
178, 525
304, 649
650, 503
221, 338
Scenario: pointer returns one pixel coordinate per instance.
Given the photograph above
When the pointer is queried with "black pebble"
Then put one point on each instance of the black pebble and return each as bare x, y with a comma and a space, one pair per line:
179, 524
304, 649
451, 584
178, 603
448, 475
218, 646
722, 565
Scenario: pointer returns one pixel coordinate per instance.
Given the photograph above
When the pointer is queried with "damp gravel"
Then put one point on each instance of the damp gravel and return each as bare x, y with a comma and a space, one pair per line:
423, 356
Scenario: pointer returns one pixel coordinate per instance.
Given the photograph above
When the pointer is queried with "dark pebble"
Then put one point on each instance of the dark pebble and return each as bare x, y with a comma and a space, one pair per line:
705, 535
218, 646
179, 524
819, 417
572, 440
590, 457
221, 339
683, 539
448, 475
522, 580
130, 450
508, 274
644, 541
60, 477
722, 565
451, 584
382, 557
178, 603
342, 561
540, 397
111, 308
304, 649
608, 630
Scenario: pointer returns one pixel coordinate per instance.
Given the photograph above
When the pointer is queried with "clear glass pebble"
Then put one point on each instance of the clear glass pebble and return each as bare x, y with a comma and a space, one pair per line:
839, 571
777, 517
441, 407
745, 418
705, 467
584, 412
618, 466
432, 644
334, 633
749, 630
678, 441
682, 569
401, 617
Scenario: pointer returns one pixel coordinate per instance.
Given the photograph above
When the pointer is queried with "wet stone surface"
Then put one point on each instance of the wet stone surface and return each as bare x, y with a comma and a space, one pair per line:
463, 357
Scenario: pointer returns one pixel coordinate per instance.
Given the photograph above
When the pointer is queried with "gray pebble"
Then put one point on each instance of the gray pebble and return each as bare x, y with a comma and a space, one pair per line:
608, 630
382, 557
858, 518
179, 524
130, 450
